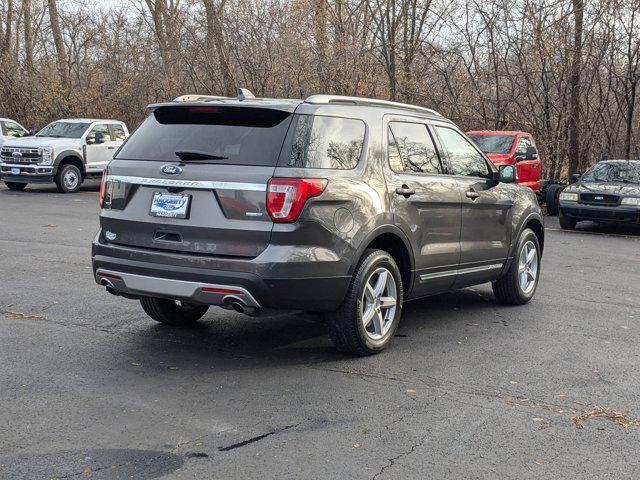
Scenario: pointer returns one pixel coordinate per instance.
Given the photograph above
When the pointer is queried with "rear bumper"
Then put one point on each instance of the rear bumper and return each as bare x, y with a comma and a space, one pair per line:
610, 214
183, 277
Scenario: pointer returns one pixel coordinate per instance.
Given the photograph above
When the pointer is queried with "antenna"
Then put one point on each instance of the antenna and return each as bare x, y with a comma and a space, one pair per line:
245, 94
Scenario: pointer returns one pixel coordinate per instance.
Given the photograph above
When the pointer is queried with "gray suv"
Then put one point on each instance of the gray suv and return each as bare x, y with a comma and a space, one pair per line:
342, 205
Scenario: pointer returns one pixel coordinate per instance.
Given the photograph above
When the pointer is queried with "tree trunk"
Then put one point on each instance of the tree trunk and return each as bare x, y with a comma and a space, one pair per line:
28, 35
215, 41
59, 43
575, 154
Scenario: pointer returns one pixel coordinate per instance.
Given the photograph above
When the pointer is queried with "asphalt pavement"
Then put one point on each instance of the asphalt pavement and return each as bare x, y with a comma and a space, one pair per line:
92, 388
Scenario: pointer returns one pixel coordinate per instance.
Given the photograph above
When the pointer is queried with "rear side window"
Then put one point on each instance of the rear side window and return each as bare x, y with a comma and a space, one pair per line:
411, 149
118, 132
325, 142
234, 135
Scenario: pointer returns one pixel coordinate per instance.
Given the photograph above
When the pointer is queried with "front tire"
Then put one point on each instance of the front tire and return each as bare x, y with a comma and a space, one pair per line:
566, 223
68, 179
369, 315
172, 312
15, 185
520, 282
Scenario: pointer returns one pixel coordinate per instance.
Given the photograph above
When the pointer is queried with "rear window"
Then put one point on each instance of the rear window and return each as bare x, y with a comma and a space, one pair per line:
325, 142
236, 135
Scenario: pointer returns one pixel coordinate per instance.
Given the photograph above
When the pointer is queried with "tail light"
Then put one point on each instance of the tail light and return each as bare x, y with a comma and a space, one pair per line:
286, 196
103, 187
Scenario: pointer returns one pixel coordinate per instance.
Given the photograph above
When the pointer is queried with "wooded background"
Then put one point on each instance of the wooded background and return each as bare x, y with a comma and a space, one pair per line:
565, 70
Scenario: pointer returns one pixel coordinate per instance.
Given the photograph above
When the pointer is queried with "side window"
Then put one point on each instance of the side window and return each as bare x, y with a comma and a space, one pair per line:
118, 132
100, 128
411, 149
464, 158
326, 142
523, 143
12, 129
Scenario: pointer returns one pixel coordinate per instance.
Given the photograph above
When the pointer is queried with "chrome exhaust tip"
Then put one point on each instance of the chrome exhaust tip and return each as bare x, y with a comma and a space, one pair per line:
109, 287
234, 303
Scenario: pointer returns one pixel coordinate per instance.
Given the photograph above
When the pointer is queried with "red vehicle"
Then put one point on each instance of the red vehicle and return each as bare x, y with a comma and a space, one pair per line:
512, 148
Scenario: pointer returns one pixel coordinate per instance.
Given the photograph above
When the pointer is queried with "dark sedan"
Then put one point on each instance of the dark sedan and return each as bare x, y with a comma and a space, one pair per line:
609, 192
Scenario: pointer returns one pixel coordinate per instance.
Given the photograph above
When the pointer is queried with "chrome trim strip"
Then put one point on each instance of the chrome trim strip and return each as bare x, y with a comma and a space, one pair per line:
141, 284
196, 184
461, 271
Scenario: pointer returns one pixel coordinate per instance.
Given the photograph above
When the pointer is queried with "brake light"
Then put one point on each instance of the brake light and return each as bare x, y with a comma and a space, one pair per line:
286, 196
103, 187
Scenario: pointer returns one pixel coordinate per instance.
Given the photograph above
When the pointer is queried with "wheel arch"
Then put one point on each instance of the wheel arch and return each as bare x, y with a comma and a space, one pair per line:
393, 241
72, 158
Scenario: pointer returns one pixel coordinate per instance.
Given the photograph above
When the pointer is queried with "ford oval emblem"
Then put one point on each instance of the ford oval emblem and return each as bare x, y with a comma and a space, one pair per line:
598, 197
171, 170
16, 154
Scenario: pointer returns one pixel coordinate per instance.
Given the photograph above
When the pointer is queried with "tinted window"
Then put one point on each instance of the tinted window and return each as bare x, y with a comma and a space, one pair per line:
64, 130
326, 142
101, 128
464, 158
623, 172
118, 132
413, 149
12, 129
242, 135
494, 143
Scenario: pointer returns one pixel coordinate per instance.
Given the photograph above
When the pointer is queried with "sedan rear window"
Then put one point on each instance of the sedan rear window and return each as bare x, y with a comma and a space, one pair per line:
218, 134
325, 142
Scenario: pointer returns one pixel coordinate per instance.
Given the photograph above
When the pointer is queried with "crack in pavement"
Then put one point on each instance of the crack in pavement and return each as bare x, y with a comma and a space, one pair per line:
392, 461
256, 438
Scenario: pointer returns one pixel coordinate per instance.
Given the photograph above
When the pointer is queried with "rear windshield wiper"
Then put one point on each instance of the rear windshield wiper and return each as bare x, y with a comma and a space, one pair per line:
198, 156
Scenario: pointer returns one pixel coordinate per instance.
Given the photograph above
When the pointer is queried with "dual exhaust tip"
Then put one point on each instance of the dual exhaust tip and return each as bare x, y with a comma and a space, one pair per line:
229, 302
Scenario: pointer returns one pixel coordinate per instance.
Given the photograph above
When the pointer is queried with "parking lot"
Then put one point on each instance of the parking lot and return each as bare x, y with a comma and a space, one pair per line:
91, 387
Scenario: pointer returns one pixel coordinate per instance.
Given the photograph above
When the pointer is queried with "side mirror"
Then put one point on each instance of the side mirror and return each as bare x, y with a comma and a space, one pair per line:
31, 132
508, 174
576, 176
99, 138
532, 153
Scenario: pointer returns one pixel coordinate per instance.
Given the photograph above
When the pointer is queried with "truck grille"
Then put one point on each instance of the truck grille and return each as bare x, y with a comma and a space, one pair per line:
599, 199
20, 155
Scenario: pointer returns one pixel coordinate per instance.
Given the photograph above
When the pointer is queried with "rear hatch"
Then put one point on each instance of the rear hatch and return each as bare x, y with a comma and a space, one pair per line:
193, 178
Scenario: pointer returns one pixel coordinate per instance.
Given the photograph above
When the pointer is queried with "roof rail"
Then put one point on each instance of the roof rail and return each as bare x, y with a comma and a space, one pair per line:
198, 98
369, 102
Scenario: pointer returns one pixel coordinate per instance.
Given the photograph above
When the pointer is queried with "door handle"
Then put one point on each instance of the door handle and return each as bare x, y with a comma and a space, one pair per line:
472, 194
111, 148
405, 191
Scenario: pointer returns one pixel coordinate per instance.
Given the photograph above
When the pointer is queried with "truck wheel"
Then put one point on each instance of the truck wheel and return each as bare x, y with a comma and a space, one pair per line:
173, 312
369, 316
519, 284
566, 223
552, 198
68, 179
15, 185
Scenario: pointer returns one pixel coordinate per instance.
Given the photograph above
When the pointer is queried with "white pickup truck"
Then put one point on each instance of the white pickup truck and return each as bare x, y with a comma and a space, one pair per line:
10, 129
65, 152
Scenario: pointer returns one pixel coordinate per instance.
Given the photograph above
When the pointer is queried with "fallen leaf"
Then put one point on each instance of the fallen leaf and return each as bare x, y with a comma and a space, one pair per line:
356, 445
136, 364
410, 390
538, 462
50, 225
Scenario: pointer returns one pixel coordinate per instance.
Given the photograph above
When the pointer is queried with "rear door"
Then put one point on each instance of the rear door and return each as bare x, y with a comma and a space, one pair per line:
529, 170
425, 203
485, 234
99, 148
217, 184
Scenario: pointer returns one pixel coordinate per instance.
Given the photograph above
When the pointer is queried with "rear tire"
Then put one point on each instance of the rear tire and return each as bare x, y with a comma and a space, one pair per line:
15, 185
68, 179
566, 223
375, 293
173, 312
552, 199
516, 287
